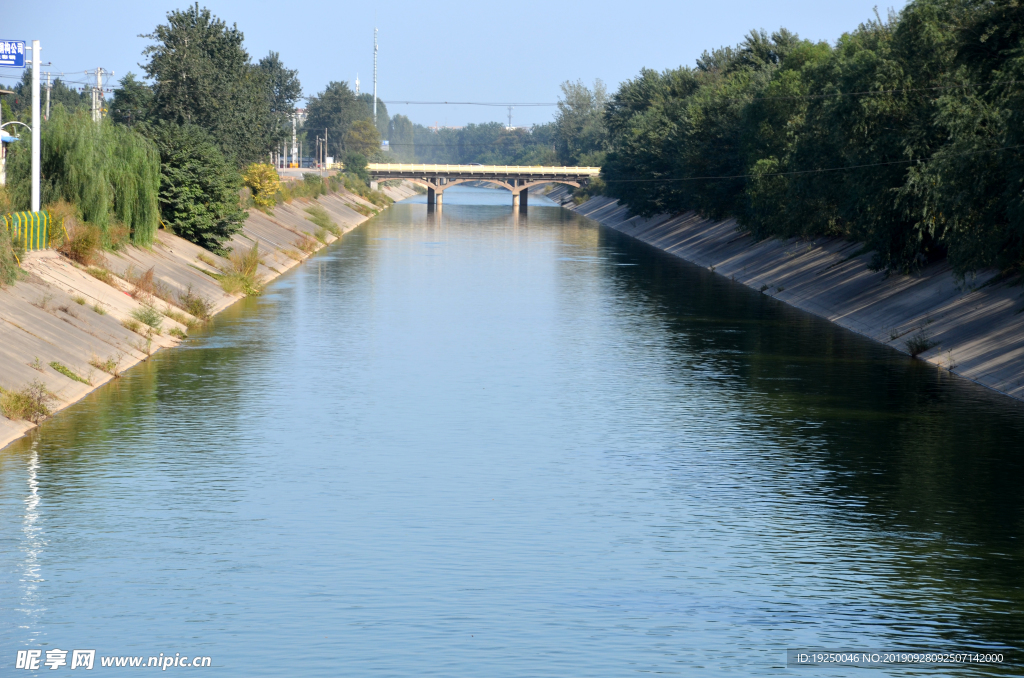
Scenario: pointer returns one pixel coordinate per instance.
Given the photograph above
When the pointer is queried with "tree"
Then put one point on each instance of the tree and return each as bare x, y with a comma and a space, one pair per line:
203, 76
355, 165
382, 121
363, 138
401, 136
285, 88
21, 102
133, 102
579, 125
285, 91
332, 110
199, 197
108, 171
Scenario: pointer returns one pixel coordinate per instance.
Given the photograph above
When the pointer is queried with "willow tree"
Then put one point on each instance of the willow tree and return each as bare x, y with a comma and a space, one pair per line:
106, 170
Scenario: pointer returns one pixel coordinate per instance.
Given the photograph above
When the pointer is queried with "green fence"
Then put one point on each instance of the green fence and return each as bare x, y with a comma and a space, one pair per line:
32, 230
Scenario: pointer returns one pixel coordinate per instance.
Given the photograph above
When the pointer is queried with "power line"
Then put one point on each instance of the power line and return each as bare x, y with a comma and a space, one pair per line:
467, 103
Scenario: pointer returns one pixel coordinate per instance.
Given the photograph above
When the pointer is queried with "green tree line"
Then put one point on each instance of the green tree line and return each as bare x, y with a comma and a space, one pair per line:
904, 135
169, 150
488, 144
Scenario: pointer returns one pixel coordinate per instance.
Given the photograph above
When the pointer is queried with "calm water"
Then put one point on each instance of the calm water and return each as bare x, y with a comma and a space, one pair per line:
469, 444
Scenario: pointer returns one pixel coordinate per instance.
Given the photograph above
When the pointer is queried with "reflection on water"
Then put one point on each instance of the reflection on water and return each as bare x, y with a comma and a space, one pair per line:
473, 442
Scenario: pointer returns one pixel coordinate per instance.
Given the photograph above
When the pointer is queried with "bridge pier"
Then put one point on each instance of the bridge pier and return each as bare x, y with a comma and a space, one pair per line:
430, 196
524, 198
440, 198
515, 200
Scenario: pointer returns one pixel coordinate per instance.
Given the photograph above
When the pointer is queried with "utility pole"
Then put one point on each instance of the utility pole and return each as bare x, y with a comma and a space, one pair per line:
97, 95
46, 116
510, 115
295, 141
375, 75
36, 124
325, 148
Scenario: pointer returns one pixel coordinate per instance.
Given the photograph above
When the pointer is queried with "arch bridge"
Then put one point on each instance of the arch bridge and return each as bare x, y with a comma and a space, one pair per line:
518, 180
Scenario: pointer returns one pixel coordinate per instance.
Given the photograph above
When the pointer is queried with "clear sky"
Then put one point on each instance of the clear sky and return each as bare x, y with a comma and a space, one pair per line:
447, 50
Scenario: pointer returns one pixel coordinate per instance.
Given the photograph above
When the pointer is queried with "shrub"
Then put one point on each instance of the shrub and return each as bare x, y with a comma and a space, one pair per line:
919, 343
244, 277
109, 365
177, 332
143, 283
199, 188
149, 316
101, 274
262, 180
31, 403
307, 244
131, 325
313, 185
196, 304
82, 243
10, 271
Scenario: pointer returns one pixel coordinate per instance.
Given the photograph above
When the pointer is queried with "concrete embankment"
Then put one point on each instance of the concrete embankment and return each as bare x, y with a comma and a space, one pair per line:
976, 329
59, 314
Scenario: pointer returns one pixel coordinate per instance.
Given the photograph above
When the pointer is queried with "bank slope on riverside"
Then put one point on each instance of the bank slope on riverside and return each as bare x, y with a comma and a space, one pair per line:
49, 317
977, 332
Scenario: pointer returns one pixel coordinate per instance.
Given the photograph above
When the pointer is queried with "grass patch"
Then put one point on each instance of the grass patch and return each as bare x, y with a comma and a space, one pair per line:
67, 309
320, 234
84, 244
319, 216
244, 277
78, 300
101, 274
195, 304
109, 365
307, 244
36, 364
131, 325
142, 346
207, 259
10, 251
292, 254
31, 403
99, 310
919, 343
149, 316
69, 373
177, 332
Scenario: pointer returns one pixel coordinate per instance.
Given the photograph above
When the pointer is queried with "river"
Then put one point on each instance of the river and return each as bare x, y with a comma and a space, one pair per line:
468, 443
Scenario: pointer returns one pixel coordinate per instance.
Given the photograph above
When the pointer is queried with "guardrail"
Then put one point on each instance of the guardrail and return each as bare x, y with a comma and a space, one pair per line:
483, 169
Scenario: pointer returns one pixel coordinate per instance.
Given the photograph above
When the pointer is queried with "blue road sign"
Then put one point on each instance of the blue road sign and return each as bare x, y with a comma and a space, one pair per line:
12, 53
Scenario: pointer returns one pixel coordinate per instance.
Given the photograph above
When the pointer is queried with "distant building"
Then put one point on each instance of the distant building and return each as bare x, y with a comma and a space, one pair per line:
385, 146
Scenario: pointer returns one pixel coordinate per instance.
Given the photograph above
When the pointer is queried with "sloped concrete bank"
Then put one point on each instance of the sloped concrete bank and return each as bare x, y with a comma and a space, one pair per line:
976, 331
61, 315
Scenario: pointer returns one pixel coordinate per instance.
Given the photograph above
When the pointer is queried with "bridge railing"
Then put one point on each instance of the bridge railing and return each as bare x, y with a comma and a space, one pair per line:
483, 169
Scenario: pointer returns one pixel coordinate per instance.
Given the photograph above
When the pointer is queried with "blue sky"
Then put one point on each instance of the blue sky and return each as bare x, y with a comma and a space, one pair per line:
454, 50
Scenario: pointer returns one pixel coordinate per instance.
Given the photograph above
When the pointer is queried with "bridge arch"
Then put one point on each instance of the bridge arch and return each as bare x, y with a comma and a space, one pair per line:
515, 179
